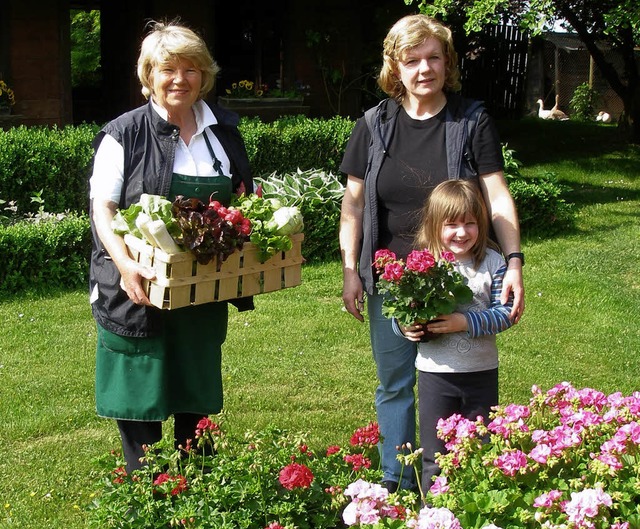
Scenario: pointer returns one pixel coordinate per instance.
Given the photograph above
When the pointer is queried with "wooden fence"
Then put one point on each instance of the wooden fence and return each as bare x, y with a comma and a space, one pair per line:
494, 70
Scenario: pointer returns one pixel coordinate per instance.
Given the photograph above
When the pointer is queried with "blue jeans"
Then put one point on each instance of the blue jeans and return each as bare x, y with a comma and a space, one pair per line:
395, 398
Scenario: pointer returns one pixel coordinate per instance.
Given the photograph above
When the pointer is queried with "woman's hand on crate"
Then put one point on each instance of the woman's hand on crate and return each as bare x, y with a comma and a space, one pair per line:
132, 274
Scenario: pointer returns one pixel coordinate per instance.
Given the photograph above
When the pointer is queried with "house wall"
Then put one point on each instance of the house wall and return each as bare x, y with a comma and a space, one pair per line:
37, 65
339, 68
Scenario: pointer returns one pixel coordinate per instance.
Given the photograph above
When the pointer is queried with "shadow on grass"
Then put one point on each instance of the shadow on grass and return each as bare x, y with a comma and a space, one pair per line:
538, 141
588, 195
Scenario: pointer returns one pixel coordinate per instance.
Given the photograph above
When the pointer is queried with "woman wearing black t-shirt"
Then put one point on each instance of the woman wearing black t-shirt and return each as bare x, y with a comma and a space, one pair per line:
388, 183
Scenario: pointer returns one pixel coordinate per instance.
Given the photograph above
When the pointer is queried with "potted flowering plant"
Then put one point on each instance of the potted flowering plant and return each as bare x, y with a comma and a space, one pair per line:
569, 459
7, 98
270, 478
245, 89
421, 288
249, 99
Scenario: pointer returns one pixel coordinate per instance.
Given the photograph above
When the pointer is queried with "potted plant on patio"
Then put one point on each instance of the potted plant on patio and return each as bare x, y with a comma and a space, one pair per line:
252, 99
7, 98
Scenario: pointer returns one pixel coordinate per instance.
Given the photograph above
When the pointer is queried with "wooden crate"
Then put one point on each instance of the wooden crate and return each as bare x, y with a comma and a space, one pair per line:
181, 281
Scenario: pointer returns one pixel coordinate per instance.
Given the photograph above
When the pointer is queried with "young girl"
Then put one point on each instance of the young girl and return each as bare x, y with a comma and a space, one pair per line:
458, 369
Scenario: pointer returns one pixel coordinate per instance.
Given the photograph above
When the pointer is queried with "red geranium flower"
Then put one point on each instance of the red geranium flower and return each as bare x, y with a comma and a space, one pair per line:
366, 437
295, 475
180, 482
358, 461
206, 425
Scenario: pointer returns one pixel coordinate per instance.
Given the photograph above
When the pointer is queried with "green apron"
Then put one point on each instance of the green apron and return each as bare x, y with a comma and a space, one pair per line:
180, 371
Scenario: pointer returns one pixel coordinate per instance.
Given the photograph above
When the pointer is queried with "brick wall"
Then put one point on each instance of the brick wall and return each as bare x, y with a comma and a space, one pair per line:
38, 61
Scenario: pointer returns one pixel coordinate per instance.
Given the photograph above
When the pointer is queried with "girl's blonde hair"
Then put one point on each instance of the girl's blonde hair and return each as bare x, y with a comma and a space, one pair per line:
168, 42
448, 201
409, 32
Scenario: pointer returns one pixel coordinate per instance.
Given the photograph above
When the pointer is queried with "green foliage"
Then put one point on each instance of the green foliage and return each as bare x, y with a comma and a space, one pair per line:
542, 210
583, 103
56, 160
318, 195
262, 478
47, 252
85, 48
295, 142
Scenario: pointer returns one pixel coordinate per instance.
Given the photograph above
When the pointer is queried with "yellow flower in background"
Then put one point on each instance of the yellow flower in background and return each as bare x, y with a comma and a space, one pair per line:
243, 89
7, 97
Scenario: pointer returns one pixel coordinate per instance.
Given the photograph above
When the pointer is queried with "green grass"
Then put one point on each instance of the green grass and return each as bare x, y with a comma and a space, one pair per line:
301, 362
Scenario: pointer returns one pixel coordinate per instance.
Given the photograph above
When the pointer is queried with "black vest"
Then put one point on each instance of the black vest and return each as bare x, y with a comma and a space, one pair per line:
149, 144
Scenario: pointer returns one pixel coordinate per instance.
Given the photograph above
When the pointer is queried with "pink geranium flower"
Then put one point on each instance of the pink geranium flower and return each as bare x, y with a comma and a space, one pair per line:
586, 505
420, 261
547, 499
295, 476
510, 463
393, 272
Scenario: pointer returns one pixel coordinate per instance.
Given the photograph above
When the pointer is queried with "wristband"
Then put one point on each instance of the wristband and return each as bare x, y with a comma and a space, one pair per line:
518, 255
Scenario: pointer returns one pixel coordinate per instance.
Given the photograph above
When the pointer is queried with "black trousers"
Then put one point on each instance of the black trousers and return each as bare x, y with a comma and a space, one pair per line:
440, 395
136, 434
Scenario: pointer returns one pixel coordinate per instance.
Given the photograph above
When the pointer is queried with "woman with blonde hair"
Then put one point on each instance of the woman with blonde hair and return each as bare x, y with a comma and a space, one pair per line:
150, 363
421, 135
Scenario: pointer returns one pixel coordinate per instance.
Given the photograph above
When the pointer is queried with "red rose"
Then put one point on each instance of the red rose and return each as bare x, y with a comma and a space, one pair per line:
295, 475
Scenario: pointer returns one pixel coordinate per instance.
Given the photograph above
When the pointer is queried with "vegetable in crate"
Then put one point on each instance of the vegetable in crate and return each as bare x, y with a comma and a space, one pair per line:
210, 231
151, 220
271, 223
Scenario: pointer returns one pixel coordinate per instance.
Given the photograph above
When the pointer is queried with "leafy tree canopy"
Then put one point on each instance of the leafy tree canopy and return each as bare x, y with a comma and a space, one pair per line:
85, 48
615, 23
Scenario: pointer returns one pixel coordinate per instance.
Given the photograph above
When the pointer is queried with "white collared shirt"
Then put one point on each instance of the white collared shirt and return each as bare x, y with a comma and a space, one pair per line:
193, 159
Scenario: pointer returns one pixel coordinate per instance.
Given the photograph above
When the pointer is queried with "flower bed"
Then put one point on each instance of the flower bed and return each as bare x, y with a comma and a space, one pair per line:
265, 479
570, 459
181, 281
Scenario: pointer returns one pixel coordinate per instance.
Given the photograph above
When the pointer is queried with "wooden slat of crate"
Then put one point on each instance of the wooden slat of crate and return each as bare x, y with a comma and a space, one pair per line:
181, 281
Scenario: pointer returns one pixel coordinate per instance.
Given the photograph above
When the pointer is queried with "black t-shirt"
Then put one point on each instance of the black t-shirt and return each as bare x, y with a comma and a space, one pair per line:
416, 163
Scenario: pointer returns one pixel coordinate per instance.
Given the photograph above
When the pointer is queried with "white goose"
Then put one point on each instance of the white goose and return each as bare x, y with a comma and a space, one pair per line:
554, 113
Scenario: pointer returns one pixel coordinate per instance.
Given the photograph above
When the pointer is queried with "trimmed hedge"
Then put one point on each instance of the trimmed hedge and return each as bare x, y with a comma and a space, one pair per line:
48, 252
55, 160
295, 142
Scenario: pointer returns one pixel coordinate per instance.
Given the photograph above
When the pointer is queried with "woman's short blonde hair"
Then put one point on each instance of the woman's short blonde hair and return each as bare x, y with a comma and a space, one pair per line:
167, 42
409, 32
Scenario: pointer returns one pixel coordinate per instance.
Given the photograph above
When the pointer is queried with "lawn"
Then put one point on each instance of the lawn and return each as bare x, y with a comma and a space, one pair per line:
301, 362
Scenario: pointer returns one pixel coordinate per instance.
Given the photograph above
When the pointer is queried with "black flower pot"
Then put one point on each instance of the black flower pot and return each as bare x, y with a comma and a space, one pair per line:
428, 336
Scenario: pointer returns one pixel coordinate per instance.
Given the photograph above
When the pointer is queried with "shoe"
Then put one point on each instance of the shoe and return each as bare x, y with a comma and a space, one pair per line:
391, 486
